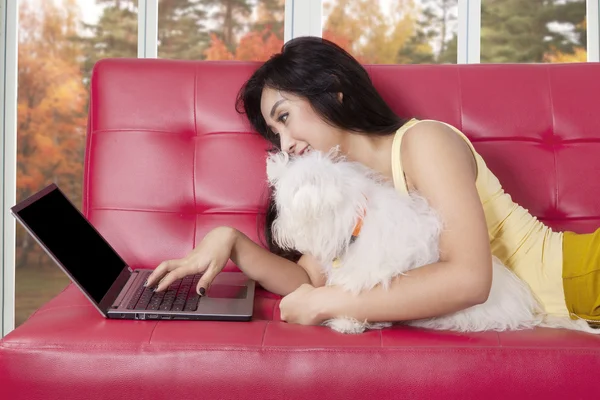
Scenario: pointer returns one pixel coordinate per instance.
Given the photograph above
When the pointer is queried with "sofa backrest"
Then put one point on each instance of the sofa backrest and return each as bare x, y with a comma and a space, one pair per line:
168, 157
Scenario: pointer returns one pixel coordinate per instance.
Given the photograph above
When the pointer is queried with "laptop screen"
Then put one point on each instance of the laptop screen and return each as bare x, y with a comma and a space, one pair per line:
74, 242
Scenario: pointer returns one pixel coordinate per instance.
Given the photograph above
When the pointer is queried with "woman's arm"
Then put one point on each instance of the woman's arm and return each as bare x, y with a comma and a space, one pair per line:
210, 256
274, 273
440, 165
430, 291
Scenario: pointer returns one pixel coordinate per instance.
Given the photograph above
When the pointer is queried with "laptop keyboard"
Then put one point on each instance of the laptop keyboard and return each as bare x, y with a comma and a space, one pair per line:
180, 296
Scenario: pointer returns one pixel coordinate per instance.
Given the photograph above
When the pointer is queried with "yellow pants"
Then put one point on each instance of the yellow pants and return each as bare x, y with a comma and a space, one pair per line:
581, 274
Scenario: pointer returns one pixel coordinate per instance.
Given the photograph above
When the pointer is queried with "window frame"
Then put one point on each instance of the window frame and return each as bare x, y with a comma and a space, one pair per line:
9, 18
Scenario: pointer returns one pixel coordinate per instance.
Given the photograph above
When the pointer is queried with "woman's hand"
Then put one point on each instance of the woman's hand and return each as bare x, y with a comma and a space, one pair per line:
209, 257
304, 306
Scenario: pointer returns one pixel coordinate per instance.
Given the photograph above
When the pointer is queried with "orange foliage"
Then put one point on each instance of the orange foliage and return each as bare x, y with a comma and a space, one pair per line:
51, 100
254, 46
51, 103
580, 55
259, 46
340, 40
217, 50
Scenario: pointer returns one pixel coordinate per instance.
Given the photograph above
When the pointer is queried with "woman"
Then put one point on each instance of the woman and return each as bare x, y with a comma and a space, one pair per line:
314, 95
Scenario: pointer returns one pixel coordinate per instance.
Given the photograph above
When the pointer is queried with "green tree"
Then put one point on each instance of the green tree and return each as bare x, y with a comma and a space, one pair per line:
114, 35
450, 53
182, 31
521, 31
437, 27
231, 17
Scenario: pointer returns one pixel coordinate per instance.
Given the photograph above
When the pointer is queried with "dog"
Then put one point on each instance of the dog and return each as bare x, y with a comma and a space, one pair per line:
364, 233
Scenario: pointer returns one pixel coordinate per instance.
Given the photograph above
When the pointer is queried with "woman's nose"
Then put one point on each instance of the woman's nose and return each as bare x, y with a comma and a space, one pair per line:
288, 145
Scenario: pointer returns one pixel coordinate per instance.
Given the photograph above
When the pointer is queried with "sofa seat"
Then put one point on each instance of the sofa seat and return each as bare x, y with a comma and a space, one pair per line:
269, 359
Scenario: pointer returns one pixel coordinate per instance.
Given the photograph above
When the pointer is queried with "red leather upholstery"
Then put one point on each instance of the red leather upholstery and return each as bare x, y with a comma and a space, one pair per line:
168, 158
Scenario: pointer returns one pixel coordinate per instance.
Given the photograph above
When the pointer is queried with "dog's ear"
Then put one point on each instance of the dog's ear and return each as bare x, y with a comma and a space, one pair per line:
312, 200
276, 164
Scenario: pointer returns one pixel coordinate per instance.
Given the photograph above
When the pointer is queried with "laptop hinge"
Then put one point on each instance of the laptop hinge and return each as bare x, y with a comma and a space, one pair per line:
115, 289
127, 288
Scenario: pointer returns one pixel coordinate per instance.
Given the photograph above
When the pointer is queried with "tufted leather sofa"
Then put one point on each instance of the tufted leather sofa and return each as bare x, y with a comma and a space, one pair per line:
168, 158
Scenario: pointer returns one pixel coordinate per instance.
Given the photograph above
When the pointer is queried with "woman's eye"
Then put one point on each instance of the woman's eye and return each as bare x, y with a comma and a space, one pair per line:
282, 118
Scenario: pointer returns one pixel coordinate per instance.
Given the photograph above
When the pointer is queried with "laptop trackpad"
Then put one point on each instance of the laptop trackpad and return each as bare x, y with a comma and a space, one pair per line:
220, 291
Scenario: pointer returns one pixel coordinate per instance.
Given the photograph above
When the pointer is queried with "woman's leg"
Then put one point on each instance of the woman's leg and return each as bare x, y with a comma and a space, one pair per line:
581, 275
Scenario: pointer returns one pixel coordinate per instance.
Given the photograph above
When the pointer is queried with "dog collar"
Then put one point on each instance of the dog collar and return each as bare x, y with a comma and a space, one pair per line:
336, 263
356, 230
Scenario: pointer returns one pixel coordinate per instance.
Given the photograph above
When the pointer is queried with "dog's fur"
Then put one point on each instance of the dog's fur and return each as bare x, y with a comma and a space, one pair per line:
319, 198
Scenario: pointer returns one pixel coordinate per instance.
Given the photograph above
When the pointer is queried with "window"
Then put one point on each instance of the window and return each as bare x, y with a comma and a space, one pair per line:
533, 31
394, 32
59, 42
245, 30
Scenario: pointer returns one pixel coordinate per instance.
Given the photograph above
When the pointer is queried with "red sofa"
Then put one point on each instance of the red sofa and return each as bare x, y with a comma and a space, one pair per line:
168, 158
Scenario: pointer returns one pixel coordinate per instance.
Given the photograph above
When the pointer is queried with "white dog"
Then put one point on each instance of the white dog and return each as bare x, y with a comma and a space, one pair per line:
364, 233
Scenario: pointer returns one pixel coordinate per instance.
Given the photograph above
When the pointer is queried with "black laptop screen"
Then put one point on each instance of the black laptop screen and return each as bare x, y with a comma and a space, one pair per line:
74, 242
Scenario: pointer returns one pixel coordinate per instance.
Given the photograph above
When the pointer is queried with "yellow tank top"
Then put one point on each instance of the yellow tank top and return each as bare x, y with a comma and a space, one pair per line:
527, 246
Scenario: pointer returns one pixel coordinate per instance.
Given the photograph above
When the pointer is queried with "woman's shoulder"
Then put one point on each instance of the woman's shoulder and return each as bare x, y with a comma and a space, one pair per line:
431, 129
424, 145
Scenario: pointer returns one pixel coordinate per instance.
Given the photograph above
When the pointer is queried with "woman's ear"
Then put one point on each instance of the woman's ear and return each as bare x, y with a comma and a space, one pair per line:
340, 96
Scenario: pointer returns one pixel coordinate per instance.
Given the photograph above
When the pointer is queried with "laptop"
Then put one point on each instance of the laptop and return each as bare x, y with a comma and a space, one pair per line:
116, 290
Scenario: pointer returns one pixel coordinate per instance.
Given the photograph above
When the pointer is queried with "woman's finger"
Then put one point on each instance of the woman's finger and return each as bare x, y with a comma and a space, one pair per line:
282, 314
206, 279
171, 277
160, 271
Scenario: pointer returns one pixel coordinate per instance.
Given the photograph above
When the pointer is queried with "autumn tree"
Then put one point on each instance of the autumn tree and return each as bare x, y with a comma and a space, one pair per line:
270, 17
578, 55
376, 35
264, 36
51, 98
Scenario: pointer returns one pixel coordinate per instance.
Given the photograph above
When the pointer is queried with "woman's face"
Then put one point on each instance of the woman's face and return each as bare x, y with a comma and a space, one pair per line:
298, 126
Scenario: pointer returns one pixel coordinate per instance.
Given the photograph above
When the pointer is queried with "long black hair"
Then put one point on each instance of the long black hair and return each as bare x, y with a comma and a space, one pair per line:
317, 70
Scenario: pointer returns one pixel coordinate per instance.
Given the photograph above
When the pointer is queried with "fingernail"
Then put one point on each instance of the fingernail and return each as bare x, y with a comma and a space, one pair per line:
146, 283
202, 291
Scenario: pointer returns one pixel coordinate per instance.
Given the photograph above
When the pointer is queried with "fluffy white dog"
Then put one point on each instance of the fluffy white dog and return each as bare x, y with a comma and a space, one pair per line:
364, 233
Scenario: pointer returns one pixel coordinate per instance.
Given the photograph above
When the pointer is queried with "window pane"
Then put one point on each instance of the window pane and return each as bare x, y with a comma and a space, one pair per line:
249, 30
393, 31
533, 31
59, 42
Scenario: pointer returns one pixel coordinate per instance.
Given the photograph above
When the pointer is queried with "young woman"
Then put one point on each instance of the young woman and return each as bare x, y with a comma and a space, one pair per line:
313, 96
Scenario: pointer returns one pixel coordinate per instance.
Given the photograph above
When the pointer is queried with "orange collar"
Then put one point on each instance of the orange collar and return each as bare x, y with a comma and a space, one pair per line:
357, 229
336, 263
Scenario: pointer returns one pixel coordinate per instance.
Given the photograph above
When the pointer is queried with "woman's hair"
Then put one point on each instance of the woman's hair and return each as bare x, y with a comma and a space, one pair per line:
317, 70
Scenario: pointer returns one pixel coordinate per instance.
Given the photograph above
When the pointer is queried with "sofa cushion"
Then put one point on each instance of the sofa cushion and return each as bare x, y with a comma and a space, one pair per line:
68, 350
